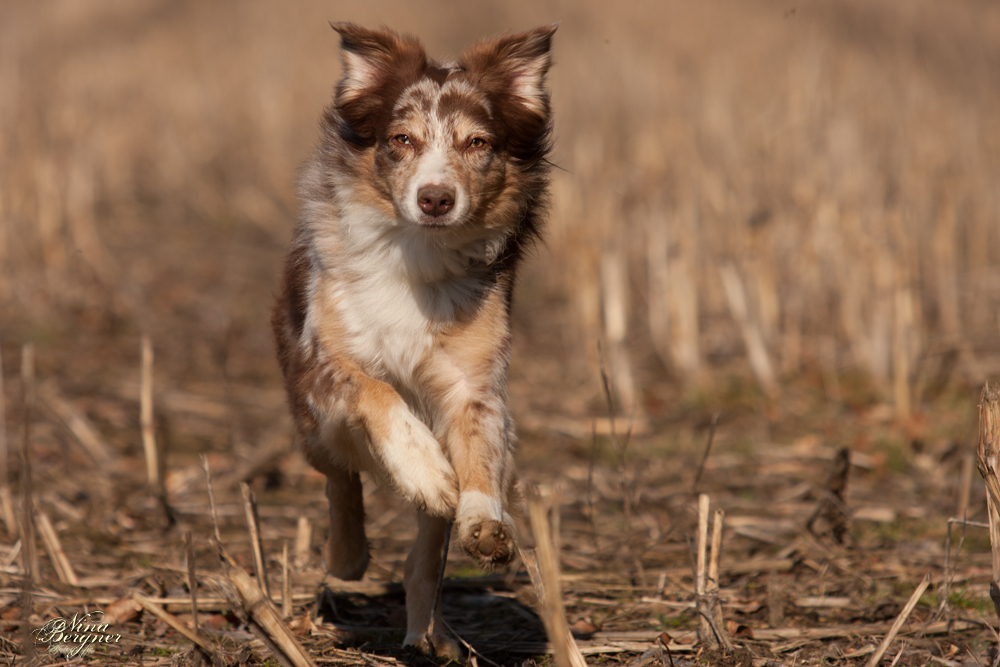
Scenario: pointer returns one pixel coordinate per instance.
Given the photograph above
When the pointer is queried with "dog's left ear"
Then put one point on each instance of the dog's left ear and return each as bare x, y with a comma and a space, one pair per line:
518, 63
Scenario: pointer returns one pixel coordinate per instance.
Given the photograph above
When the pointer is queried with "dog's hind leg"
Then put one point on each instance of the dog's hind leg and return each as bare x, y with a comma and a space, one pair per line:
420, 580
346, 548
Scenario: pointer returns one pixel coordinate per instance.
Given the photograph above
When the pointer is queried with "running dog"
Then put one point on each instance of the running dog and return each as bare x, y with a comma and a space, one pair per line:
393, 322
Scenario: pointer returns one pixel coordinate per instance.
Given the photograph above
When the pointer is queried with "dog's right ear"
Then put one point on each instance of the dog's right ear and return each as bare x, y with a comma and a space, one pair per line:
371, 58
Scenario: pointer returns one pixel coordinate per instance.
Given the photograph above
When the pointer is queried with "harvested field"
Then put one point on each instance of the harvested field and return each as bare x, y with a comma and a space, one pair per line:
771, 278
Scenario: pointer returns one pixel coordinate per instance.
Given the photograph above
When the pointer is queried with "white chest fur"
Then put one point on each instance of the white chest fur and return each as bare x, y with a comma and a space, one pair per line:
393, 288
388, 331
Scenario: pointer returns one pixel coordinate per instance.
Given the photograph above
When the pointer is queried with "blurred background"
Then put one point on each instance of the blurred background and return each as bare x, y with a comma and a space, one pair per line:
775, 205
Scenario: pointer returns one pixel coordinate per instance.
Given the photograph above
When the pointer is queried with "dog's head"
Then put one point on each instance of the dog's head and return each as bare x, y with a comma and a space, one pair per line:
446, 146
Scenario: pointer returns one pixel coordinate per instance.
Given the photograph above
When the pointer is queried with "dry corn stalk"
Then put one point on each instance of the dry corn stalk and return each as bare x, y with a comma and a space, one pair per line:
146, 416
78, 425
989, 450
303, 541
658, 275
174, 623
898, 623
683, 312
711, 631
60, 561
257, 546
757, 354
252, 607
543, 569
904, 333
614, 297
29, 553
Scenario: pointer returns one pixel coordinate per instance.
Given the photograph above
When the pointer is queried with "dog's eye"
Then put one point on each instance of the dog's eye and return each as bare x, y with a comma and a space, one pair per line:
402, 139
477, 142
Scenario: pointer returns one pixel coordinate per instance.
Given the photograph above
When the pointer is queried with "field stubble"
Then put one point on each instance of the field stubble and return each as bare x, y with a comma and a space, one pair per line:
786, 216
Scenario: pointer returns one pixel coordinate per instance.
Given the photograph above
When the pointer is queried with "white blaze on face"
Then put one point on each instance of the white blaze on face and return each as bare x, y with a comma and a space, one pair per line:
438, 164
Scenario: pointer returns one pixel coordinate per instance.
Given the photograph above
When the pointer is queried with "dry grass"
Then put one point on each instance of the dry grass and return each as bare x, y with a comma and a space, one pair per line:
789, 214
839, 161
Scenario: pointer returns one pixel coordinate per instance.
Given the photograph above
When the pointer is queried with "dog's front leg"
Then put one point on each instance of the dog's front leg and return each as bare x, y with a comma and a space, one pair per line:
402, 446
480, 443
468, 376
351, 421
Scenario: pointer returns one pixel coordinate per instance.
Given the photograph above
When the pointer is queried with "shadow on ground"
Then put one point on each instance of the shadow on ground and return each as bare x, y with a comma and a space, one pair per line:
499, 625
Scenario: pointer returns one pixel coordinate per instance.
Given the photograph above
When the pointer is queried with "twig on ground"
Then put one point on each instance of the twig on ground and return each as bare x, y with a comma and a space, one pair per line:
253, 608
192, 580
899, 654
898, 623
174, 623
664, 648
11, 556
468, 647
253, 524
60, 562
77, 424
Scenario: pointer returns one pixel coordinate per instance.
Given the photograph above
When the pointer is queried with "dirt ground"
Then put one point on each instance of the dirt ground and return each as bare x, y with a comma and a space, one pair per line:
147, 161
627, 523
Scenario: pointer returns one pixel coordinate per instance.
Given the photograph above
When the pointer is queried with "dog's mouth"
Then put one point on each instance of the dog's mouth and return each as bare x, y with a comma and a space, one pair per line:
440, 222
434, 223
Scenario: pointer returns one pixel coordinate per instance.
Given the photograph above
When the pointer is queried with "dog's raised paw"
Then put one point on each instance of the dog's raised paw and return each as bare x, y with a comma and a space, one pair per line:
490, 542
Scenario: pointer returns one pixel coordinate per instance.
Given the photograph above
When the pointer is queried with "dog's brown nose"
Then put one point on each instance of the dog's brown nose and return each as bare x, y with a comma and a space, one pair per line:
435, 200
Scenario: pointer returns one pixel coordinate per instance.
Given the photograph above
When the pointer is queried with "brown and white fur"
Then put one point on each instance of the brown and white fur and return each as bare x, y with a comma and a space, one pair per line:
393, 322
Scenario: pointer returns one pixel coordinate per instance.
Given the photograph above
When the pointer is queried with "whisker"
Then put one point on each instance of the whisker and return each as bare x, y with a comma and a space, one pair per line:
553, 164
